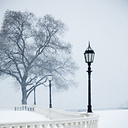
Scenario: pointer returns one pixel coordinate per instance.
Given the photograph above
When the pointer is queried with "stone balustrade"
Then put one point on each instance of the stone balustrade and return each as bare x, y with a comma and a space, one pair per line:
17, 108
58, 119
24, 108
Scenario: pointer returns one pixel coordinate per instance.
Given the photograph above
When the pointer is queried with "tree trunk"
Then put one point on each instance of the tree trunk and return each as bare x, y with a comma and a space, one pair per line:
24, 95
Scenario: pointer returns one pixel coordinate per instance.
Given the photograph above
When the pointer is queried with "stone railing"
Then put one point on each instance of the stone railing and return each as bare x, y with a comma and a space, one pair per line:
24, 108
58, 119
17, 108
56, 114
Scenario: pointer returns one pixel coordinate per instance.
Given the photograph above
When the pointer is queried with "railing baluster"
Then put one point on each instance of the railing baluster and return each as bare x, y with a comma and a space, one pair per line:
63, 125
44, 126
16, 126
95, 124
29, 126
66, 125
58, 125
24, 126
88, 124
52, 126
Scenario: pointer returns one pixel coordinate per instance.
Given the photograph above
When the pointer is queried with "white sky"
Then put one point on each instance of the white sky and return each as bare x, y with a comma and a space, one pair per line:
105, 24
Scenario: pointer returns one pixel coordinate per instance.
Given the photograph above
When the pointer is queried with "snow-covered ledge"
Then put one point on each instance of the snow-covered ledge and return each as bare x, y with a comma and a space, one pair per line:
58, 119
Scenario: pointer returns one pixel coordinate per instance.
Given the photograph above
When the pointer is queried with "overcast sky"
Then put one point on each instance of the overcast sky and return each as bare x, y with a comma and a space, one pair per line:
102, 22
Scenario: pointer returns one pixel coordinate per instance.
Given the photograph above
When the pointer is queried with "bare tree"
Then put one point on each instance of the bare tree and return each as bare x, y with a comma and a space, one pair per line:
32, 47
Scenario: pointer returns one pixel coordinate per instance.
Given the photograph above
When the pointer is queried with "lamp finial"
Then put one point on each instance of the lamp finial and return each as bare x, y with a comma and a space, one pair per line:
88, 43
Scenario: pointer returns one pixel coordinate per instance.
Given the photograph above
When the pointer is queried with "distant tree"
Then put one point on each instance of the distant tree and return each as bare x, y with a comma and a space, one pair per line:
31, 48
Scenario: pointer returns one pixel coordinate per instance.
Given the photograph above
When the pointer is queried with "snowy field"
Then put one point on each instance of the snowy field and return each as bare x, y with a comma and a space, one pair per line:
108, 118
20, 116
113, 119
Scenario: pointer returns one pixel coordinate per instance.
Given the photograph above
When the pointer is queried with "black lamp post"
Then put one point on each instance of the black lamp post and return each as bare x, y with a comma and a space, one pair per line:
34, 94
50, 100
89, 58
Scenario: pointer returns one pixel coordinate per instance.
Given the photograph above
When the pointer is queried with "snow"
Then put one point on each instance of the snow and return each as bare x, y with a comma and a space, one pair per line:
20, 116
113, 119
108, 118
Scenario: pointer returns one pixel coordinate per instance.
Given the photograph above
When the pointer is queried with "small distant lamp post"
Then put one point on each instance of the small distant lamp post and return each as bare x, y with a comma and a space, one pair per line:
89, 58
34, 94
50, 100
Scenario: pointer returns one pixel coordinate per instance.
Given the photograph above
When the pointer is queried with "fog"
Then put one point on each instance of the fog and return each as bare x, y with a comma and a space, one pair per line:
105, 24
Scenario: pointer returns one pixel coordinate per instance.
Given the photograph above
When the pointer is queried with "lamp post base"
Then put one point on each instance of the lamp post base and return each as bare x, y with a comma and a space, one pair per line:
89, 108
50, 105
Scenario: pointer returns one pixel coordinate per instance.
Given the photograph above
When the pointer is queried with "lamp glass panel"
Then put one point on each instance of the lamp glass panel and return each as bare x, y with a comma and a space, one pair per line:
86, 57
93, 57
90, 57
49, 77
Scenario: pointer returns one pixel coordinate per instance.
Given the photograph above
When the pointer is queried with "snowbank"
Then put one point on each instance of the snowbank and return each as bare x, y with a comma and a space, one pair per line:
20, 116
113, 119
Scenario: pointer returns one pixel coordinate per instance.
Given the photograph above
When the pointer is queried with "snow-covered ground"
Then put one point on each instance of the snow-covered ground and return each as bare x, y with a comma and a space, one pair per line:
108, 118
20, 116
113, 119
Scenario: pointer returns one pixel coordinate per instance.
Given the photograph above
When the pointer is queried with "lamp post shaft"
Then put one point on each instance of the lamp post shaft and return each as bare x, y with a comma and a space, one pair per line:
50, 99
89, 88
34, 96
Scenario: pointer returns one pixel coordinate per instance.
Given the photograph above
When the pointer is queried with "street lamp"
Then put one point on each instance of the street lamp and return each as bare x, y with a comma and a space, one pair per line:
89, 58
50, 100
35, 94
